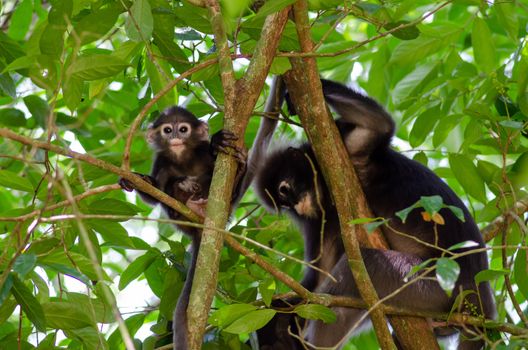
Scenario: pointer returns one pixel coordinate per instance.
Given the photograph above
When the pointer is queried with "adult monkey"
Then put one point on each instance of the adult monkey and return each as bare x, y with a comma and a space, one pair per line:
391, 182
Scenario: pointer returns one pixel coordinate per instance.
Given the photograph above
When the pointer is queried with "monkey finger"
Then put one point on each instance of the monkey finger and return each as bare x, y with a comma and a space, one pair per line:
126, 185
241, 155
228, 135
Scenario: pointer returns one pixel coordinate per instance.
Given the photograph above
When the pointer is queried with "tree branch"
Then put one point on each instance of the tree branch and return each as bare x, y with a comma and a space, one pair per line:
304, 86
235, 120
319, 131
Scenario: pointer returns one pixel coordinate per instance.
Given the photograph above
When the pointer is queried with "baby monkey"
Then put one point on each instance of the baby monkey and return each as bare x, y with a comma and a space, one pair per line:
184, 161
183, 168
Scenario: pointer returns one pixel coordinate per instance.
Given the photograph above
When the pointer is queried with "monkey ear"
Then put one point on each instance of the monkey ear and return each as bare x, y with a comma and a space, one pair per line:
151, 134
203, 131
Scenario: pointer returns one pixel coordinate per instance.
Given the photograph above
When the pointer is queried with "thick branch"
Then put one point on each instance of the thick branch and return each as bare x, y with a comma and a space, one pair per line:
304, 86
236, 119
319, 130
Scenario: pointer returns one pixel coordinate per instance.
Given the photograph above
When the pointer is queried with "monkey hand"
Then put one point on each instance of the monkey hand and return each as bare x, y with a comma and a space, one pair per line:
224, 141
129, 187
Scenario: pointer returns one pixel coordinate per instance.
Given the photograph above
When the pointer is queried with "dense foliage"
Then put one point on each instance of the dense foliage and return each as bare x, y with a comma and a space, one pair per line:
76, 73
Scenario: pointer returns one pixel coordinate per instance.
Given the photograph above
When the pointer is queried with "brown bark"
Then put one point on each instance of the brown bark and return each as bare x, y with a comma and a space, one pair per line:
304, 85
235, 120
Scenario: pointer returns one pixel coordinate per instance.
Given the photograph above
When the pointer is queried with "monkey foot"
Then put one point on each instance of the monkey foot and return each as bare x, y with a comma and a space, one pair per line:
189, 185
197, 205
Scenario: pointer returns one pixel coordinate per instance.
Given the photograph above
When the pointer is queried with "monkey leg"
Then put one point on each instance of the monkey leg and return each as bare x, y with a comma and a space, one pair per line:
387, 270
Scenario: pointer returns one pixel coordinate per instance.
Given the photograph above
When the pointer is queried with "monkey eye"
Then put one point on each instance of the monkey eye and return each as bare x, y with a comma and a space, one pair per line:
167, 130
183, 129
284, 189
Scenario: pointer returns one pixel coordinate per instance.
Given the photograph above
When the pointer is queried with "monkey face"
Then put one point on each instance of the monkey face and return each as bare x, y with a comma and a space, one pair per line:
288, 182
300, 200
176, 130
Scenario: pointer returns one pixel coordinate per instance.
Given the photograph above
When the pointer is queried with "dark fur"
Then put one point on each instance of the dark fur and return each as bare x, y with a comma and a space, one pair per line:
186, 176
391, 182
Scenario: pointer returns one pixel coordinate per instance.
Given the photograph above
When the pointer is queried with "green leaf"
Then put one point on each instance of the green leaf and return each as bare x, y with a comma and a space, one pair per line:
444, 127
12, 117
447, 272
96, 66
507, 17
522, 84
94, 25
38, 108
52, 40
5, 291
483, 48
402, 214
172, 285
101, 312
85, 265
467, 175
459, 213
89, 337
160, 76
24, 263
137, 267
69, 271
67, 315
7, 308
410, 52
431, 204
251, 321
23, 62
21, 20
407, 33
423, 126
266, 289
72, 92
316, 312
133, 323
489, 275
29, 304
11, 180
140, 17
113, 233
9, 49
360, 221
520, 271
372, 226
112, 206
7, 85
229, 313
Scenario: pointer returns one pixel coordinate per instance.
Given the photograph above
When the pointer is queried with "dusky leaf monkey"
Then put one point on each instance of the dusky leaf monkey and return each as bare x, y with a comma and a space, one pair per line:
391, 182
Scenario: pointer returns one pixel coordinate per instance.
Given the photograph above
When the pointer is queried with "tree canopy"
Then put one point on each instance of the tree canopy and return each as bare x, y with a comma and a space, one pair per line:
84, 265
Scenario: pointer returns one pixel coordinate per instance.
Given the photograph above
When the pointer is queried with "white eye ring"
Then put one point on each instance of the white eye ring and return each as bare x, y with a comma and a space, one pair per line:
166, 129
284, 188
184, 128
